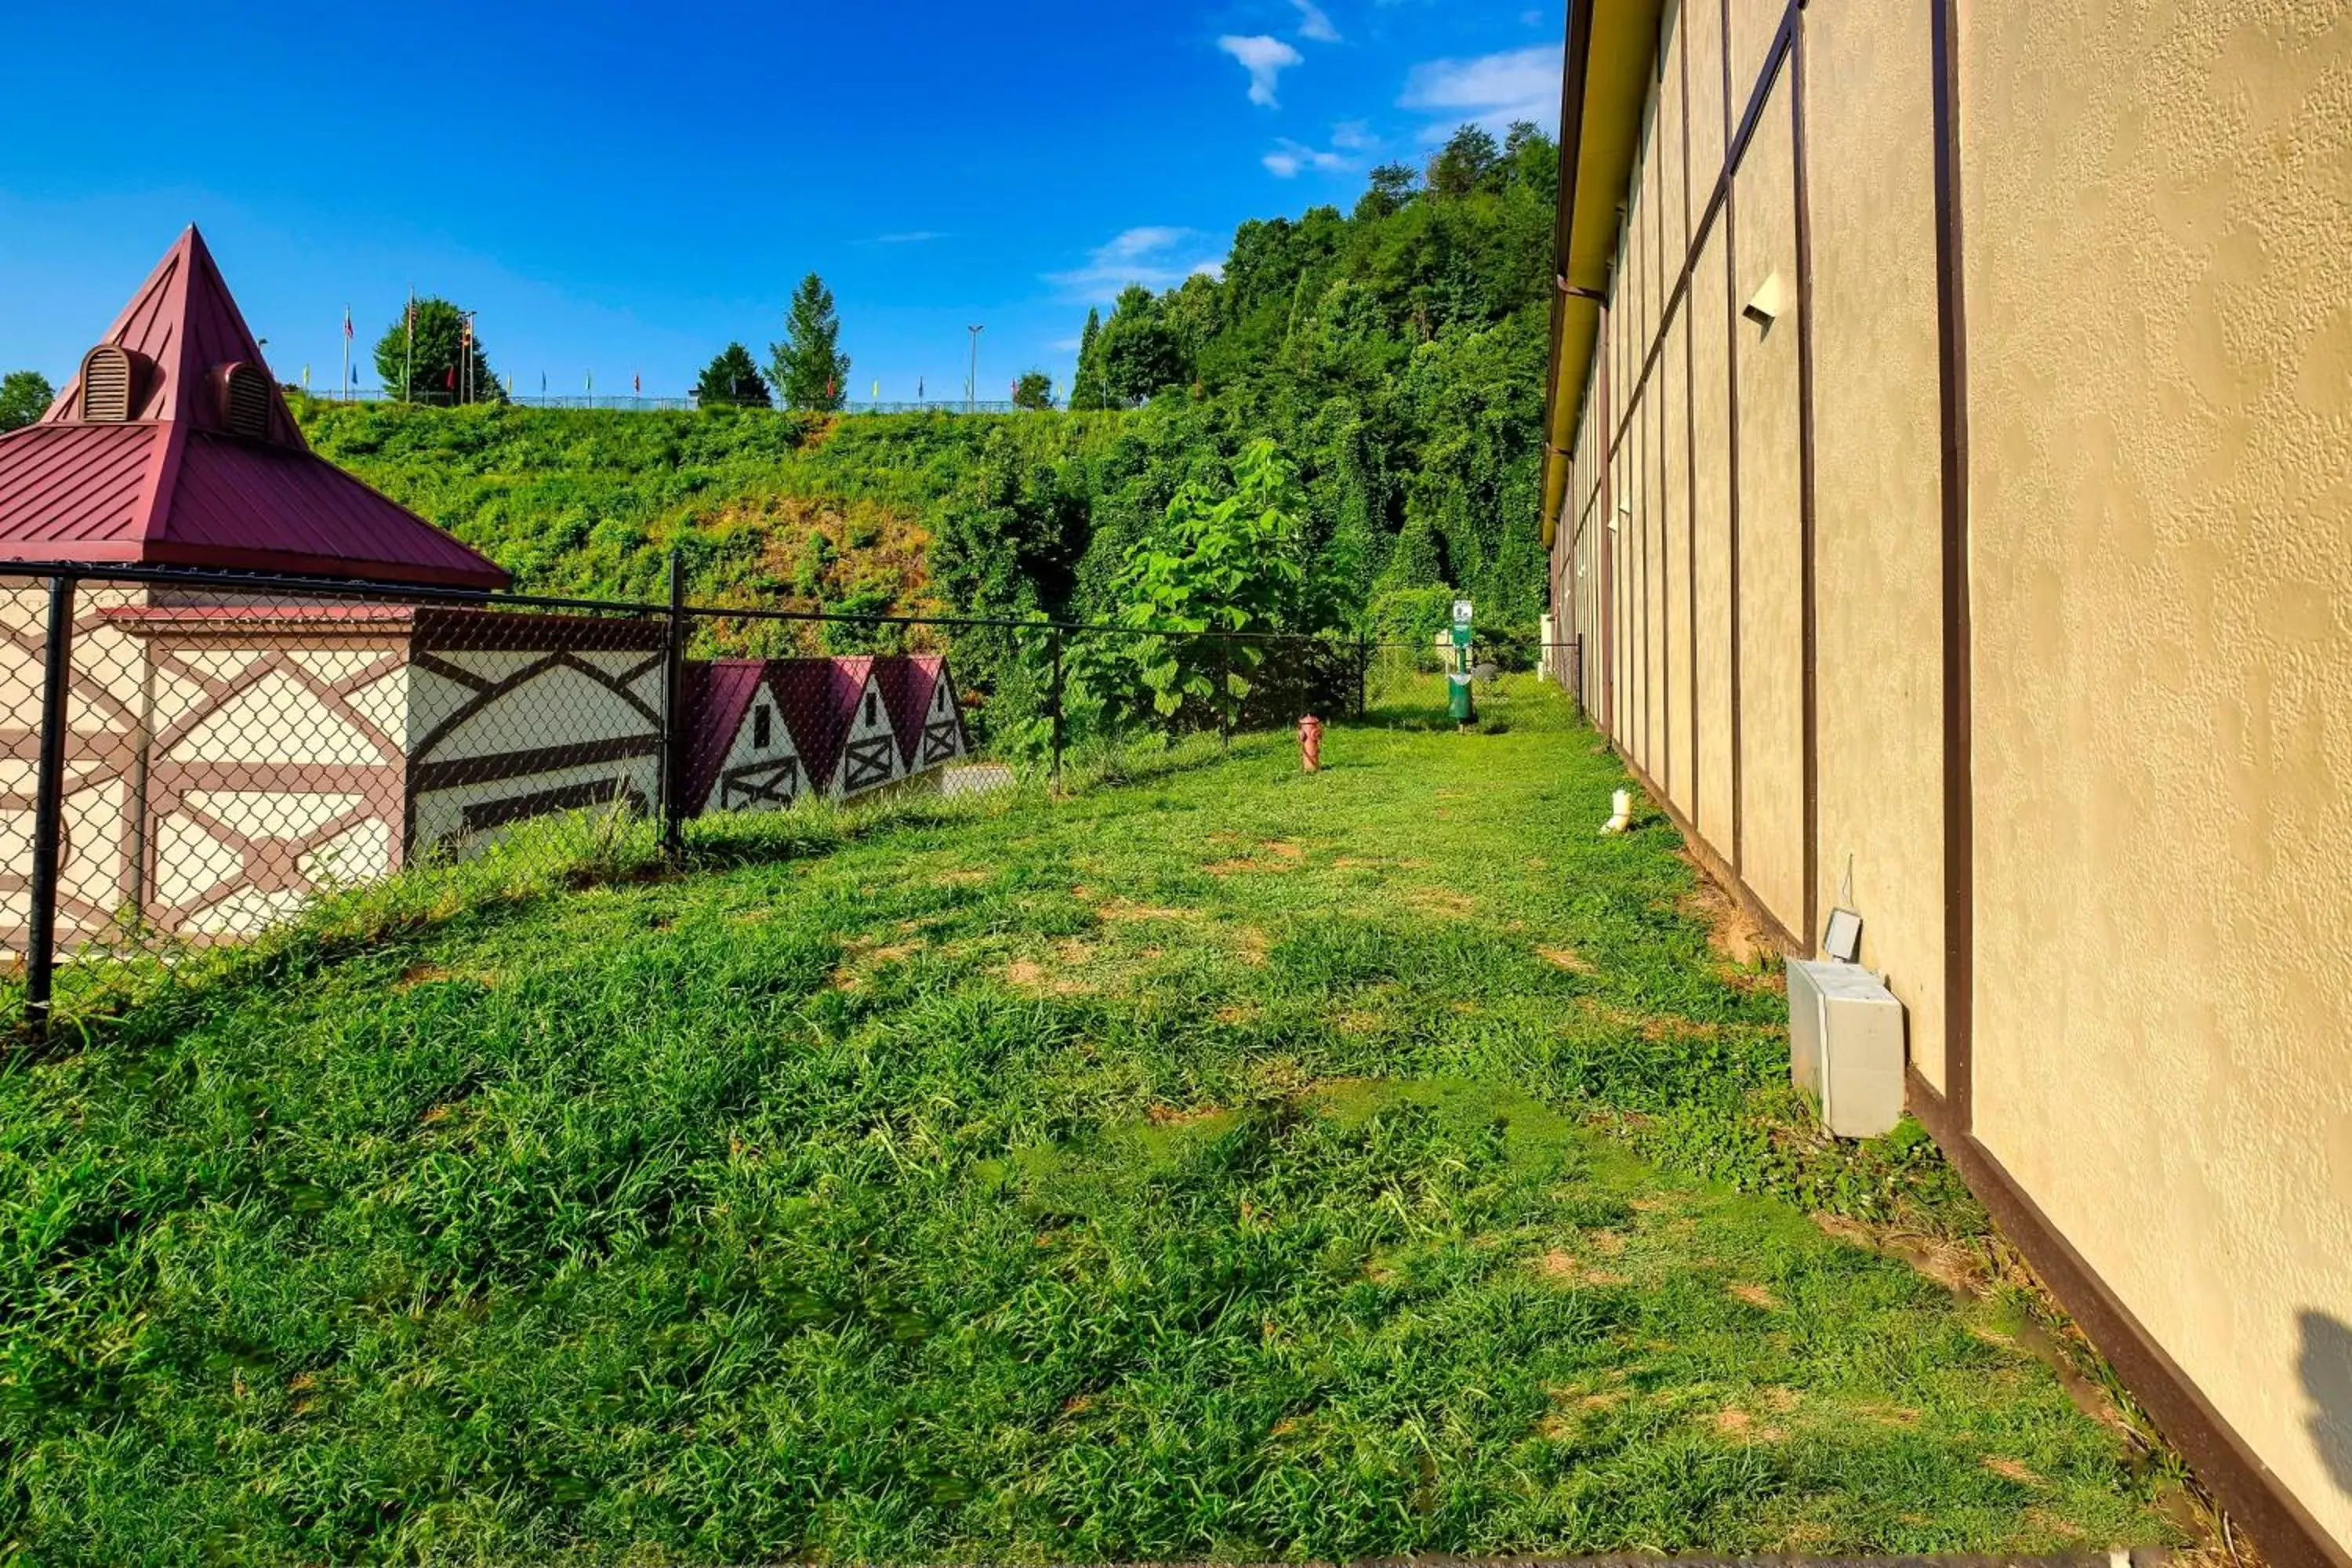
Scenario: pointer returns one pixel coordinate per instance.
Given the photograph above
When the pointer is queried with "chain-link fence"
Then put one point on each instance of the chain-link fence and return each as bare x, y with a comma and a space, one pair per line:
193, 758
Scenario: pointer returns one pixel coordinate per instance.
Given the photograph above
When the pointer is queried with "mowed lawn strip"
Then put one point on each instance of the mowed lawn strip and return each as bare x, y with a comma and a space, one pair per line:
1236, 1163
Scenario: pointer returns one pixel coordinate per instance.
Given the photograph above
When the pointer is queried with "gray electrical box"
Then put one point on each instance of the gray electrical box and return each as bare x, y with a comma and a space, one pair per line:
1845, 1047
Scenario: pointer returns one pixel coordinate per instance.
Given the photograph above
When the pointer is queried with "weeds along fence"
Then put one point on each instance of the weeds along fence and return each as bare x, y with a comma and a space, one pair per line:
194, 757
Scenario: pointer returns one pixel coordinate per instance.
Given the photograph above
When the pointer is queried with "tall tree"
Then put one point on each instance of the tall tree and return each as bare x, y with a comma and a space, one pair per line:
808, 368
1085, 387
732, 381
440, 369
1140, 355
24, 397
1469, 162
1034, 390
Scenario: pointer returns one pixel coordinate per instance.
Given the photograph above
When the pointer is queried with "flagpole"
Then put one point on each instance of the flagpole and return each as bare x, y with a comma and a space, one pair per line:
347, 354
408, 366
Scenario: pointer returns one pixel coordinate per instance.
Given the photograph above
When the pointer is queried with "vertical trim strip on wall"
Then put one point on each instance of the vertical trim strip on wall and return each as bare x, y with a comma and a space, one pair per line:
1731, 151
1959, 762
1690, 426
1808, 603
1603, 542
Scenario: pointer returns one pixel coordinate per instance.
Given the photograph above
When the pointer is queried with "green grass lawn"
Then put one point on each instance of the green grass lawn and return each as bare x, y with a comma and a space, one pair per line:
1234, 1163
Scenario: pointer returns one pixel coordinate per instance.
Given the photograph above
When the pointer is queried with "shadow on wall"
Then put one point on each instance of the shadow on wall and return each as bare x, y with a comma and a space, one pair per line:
2327, 1368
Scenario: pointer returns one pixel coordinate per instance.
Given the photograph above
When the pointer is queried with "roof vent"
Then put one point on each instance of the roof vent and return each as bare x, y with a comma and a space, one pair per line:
109, 375
244, 402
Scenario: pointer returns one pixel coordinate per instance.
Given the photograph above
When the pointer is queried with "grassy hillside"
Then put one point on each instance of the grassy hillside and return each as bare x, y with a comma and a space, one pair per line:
1241, 1165
581, 501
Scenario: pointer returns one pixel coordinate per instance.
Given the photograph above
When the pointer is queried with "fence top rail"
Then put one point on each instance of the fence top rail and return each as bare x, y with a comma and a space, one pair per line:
475, 598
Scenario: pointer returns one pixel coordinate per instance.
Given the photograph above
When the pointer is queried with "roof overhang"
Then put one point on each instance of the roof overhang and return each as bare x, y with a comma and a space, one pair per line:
1612, 51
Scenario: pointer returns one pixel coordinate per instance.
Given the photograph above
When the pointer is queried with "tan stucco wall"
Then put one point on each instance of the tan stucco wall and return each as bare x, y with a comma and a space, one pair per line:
1878, 505
1711, 466
1753, 24
1674, 210
1771, 529
1702, 29
2159, 294
1673, 384
1661, 641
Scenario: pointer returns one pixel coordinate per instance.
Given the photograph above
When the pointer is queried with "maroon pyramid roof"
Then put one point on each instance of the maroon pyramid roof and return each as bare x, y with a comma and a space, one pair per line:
171, 486
908, 682
719, 693
819, 696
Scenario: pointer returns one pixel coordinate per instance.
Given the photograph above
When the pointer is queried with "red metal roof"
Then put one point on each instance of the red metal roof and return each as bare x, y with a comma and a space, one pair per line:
718, 694
908, 682
819, 698
173, 488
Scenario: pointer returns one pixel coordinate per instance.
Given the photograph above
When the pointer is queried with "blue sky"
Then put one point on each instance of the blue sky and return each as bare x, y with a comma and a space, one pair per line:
620, 189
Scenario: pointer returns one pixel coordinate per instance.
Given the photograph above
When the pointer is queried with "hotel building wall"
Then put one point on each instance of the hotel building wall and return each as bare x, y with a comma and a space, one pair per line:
2071, 405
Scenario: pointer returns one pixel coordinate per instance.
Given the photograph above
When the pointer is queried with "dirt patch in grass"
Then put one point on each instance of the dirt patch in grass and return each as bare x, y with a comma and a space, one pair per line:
1123, 909
1563, 1267
1442, 901
863, 956
1249, 944
1566, 958
960, 877
1273, 855
423, 974
1182, 1116
2010, 1470
1961, 1270
1755, 1296
1737, 1425
1734, 934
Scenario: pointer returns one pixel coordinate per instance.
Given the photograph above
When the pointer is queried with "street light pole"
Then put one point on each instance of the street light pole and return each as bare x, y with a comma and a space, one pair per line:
971, 384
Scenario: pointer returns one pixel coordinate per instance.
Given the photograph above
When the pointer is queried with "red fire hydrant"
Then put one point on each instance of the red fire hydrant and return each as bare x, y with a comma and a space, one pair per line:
1310, 744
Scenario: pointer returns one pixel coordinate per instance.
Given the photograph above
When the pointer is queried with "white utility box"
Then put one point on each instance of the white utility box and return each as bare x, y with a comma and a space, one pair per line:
1845, 1047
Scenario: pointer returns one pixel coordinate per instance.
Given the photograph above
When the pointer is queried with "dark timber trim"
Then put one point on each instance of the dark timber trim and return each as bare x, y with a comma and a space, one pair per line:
1690, 429
1733, 147
499, 766
1959, 760
2289, 1536
1808, 602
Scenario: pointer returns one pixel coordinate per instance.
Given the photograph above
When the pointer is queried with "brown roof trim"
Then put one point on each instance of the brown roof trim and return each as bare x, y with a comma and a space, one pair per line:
2289, 1536
1572, 141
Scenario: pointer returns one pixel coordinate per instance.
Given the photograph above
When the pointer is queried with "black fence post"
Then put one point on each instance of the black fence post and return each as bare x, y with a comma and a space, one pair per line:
1363, 675
1054, 697
674, 732
49, 807
1225, 690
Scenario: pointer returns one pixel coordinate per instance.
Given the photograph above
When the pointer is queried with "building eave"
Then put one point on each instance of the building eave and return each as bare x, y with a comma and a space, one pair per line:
1611, 64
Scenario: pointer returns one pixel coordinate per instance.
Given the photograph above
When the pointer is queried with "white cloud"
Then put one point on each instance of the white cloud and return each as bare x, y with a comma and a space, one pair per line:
1154, 256
1066, 345
912, 237
1265, 59
1353, 136
1492, 89
1313, 24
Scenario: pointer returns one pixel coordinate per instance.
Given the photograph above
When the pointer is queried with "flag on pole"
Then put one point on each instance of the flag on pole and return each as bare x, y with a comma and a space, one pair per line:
637, 385
347, 323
